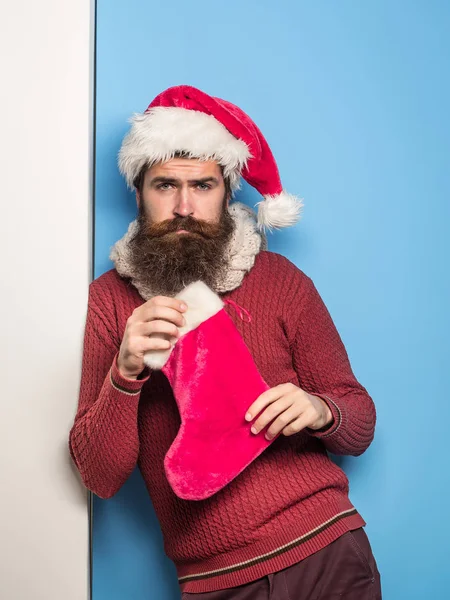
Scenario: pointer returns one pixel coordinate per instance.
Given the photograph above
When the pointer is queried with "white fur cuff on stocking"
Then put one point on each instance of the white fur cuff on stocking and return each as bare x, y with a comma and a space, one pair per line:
202, 303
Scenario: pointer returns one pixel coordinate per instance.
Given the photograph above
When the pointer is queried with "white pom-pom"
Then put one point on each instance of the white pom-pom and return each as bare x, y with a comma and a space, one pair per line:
281, 210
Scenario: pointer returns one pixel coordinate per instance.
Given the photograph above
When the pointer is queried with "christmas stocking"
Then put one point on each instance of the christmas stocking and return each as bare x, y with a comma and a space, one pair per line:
214, 380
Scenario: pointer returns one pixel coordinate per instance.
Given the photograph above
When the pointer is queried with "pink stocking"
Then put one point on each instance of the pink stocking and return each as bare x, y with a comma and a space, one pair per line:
214, 380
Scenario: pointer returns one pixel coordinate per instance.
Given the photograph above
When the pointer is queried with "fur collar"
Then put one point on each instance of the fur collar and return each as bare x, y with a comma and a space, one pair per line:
246, 242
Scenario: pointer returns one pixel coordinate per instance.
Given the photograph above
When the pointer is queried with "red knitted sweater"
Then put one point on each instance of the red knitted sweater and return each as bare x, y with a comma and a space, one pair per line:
292, 500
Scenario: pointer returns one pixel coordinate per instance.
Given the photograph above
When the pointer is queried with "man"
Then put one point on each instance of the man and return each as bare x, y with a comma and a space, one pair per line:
284, 528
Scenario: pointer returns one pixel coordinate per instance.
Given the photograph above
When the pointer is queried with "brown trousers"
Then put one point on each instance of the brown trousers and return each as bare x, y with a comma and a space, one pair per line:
345, 569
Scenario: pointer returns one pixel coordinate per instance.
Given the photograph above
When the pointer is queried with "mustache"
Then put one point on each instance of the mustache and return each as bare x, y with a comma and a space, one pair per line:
196, 226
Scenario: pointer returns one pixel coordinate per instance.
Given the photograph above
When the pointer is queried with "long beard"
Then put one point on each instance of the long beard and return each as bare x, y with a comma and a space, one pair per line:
167, 261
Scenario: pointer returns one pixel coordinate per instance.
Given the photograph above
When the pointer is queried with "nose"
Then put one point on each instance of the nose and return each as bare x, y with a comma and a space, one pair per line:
183, 206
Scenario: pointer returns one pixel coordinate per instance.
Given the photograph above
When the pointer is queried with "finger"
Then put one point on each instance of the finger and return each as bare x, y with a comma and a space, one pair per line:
303, 421
139, 346
283, 421
155, 343
264, 400
174, 303
144, 312
271, 413
164, 327
164, 313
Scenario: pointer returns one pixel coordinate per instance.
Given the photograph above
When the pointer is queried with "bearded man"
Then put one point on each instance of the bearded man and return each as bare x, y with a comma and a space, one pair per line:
283, 528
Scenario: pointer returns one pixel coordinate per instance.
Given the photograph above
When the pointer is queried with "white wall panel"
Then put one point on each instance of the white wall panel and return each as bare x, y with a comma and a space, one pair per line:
46, 51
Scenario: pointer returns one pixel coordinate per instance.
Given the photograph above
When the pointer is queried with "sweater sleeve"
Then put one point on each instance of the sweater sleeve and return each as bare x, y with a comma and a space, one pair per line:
104, 441
323, 369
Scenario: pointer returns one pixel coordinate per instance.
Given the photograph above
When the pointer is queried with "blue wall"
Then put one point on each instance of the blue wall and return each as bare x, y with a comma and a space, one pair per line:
354, 100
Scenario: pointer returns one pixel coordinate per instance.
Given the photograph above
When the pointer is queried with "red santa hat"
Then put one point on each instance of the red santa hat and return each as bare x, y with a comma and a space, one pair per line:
185, 119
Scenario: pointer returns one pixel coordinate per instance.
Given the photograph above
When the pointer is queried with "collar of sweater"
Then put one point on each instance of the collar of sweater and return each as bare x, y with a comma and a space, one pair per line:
246, 242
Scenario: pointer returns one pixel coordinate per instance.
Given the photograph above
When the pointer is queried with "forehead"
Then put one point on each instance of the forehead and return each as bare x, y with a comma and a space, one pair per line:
186, 168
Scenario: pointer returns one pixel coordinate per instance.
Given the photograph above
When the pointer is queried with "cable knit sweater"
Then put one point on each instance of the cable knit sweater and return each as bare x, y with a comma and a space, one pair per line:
287, 504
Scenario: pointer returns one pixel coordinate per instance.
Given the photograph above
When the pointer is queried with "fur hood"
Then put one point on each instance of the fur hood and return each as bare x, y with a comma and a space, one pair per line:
247, 241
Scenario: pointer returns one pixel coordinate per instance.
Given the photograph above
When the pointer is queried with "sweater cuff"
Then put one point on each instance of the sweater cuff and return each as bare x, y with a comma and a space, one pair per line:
123, 384
335, 423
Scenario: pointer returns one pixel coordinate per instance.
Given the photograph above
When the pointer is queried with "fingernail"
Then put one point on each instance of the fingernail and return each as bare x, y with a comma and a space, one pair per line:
248, 417
268, 437
183, 307
254, 430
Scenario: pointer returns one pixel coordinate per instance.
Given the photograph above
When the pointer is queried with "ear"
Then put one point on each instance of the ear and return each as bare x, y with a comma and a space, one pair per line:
138, 198
228, 197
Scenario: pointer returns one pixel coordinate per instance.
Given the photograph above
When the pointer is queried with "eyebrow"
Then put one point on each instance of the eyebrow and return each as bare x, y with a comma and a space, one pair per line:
190, 181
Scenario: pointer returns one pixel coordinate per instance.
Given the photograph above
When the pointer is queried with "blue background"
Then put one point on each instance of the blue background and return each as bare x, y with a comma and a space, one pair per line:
353, 98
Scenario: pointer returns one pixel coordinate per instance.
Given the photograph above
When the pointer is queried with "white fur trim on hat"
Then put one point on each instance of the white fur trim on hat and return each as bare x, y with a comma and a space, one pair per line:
156, 135
280, 210
202, 303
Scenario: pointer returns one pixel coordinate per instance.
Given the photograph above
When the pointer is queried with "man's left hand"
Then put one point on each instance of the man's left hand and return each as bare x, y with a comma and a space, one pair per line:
290, 409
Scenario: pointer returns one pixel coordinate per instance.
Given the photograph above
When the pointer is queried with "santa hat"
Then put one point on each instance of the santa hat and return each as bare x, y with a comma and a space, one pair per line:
185, 119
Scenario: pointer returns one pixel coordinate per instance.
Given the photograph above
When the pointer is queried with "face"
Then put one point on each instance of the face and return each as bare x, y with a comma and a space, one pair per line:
184, 226
183, 187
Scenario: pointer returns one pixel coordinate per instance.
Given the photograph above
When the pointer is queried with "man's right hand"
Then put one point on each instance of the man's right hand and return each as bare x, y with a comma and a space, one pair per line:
152, 326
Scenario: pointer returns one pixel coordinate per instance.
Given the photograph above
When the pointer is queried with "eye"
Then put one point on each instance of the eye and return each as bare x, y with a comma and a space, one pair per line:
204, 186
164, 186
